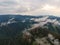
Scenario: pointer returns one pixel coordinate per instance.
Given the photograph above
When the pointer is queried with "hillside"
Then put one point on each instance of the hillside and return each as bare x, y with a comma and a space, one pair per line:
29, 30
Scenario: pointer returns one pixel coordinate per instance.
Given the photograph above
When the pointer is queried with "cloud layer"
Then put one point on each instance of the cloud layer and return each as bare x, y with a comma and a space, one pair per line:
30, 7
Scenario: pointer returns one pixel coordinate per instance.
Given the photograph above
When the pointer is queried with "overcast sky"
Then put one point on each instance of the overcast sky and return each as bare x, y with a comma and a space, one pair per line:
30, 7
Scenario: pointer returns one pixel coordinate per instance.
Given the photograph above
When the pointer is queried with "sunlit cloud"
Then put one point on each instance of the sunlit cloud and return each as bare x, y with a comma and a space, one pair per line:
48, 7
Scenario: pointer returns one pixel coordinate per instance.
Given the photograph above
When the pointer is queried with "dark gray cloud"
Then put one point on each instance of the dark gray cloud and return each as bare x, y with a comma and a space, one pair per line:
8, 3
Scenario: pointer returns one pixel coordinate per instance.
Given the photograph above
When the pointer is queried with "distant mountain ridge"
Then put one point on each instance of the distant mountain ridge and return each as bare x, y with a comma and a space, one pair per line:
12, 25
